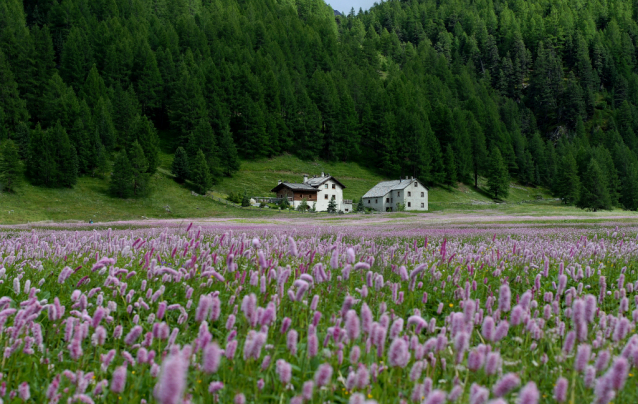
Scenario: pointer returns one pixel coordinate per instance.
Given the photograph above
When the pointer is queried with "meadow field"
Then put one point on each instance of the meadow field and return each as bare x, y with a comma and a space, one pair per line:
374, 310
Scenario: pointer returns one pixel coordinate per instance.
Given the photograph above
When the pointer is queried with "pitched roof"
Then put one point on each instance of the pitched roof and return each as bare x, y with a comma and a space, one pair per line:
382, 188
294, 187
317, 181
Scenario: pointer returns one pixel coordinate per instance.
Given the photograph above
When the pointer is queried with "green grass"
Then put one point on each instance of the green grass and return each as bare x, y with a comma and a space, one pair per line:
258, 177
89, 199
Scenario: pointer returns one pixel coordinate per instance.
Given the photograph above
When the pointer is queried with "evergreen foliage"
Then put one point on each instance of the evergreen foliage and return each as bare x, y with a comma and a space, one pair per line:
139, 168
498, 181
595, 193
332, 206
121, 184
303, 206
200, 174
10, 166
179, 167
569, 183
419, 88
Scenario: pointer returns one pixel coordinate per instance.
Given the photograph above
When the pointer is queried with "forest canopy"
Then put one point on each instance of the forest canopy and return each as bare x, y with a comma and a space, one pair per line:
418, 87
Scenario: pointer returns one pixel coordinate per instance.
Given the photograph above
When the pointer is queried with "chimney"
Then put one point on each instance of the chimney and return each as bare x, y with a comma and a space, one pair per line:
322, 173
305, 178
279, 182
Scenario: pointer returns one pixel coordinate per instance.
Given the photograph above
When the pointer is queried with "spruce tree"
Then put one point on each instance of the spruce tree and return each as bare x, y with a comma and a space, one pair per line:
332, 206
594, 195
498, 177
202, 138
228, 153
140, 167
41, 167
22, 139
179, 168
10, 166
143, 131
629, 191
200, 174
101, 166
450, 166
13, 107
569, 183
121, 184
76, 59
64, 156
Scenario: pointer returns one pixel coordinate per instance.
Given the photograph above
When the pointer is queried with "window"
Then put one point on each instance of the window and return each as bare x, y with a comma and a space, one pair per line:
376, 201
333, 197
423, 205
325, 196
409, 204
422, 194
368, 201
416, 185
387, 200
333, 186
409, 193
347, 210
398, 193
325, 186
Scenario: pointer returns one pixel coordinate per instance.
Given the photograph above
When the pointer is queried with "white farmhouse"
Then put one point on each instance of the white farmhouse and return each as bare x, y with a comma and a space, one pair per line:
385, 196
319, 190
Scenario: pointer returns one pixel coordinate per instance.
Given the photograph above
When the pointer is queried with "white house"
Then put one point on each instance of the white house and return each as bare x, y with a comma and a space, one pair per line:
318, 190
385, 196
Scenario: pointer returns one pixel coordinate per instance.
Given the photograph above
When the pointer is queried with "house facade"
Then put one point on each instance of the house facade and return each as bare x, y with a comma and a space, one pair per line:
318, 190
386, 195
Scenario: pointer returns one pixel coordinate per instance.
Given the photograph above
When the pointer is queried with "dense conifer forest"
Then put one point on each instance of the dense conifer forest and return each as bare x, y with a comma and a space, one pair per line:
543, 92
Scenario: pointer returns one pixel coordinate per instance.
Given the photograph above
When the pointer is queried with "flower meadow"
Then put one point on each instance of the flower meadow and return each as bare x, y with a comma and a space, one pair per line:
283, 314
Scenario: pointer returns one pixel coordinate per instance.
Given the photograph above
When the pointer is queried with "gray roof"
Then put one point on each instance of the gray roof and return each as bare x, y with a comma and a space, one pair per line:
295, 187
382, 188
317, 181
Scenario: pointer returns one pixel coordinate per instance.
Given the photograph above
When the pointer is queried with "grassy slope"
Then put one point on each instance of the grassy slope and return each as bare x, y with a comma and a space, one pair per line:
90, 200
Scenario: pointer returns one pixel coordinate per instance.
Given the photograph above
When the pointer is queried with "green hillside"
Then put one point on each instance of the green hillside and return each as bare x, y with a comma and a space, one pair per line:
89, 199
258, 177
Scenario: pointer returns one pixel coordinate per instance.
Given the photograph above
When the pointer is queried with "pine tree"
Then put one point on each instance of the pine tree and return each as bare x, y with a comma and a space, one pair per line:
228, 153
65, 156
140, 167
479, 151
188, 106
41, 166
569, 183
450, 166
101, 166
594, 195
104, 124
332, 206
121, 184
13, 107
202, 138
200, 173
180, 168
77, 57
629, 190
150, 84
10, 166
93, 88
143, 131
498, 177
22, 138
